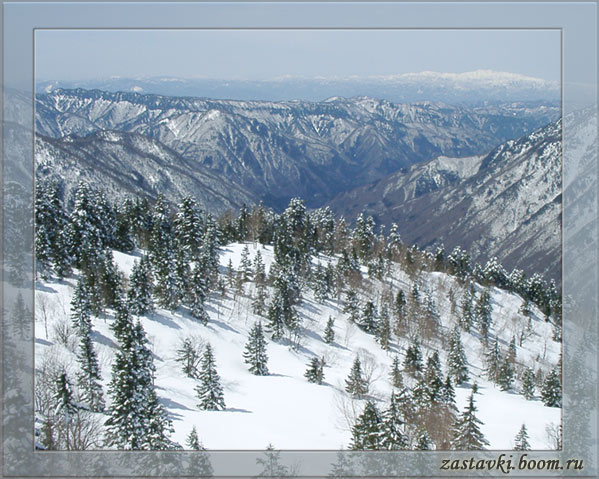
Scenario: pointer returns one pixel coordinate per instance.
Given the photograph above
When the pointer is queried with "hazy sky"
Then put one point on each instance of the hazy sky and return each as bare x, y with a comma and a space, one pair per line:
265, 54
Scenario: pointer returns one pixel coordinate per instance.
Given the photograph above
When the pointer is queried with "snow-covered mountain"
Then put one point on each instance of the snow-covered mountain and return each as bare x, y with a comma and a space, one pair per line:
506, 203
283, 408
128, 164
474, 87
277, 150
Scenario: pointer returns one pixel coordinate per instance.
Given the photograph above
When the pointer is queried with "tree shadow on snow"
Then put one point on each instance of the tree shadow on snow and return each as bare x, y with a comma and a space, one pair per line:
159, 318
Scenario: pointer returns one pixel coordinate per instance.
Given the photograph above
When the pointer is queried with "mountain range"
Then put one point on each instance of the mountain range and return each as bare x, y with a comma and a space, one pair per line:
469, 88
493, 170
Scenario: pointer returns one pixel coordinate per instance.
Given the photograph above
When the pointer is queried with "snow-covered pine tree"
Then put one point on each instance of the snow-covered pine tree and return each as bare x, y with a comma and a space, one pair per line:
412, 363
399, 306
369, 318
88, 378
447, 396
396, 375
433, 379
259, 301
424, 441
111, 281
50, 222
393, 435
65, 408
259, 269
281, 313
329, 332
383, 329
81, 306
245, 265
456, 361
139, 294
320, 285
482, 313
467, 309
505, 374
356, 385
528, 384
193, 441
136, 419
493, 359
367, 431
551, 391
351, 306
189, 358
521, 440
467, 433
198, 292
315, 371
209, 391
255, 351
363, 236
188, 226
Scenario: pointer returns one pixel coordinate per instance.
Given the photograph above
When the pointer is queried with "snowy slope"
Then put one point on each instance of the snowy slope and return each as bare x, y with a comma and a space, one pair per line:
283, 408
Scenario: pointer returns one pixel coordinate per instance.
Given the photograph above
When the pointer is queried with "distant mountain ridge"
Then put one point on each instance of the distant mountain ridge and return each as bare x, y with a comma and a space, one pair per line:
277, 150
468, 88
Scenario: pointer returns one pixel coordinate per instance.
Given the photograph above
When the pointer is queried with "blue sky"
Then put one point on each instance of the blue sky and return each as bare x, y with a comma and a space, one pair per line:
266, 54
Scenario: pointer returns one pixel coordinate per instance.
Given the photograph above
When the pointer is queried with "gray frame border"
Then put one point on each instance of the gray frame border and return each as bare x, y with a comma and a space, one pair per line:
578, 22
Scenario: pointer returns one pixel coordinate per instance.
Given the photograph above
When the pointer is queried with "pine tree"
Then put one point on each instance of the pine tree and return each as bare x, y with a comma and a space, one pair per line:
413, 360
281, 313
189, 358
193, 441
50, 223
447, 395
329, 332
424, 441
393, 427
433, 379
551, 392
505, 375
245, 266
259, 301
482, 313
399, 306
467, 434
255, 351
493, 360
209, 391
259, 269
521, 440
139, 294
351, 306
136, 420
320, 284
188, 227
456, 361
315, 371
356, 385
467, 315
528, 384
383, 329
65, 408
81, 306
200, 462
367, 431
89, 377
198, 292
395, 375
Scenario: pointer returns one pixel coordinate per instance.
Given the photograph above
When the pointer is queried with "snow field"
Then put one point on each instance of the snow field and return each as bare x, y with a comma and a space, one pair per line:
284, 409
